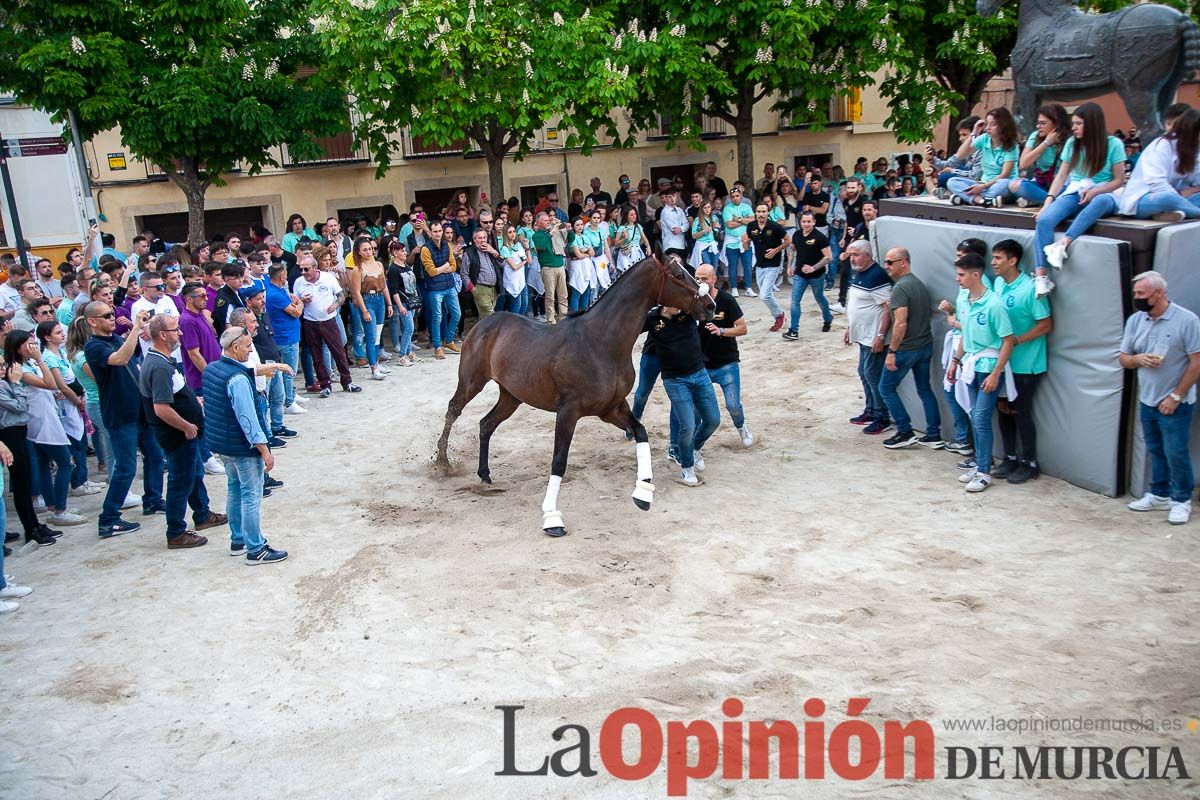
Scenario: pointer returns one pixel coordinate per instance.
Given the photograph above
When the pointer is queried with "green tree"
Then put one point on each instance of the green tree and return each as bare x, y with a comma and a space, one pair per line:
797, 53
492, 76
196, 87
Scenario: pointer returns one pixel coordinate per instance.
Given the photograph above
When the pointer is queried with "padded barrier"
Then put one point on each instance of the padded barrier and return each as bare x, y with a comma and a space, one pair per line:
1175, 256
1081, 408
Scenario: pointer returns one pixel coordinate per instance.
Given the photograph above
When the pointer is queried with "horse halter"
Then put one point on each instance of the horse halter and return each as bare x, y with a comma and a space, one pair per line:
665, 272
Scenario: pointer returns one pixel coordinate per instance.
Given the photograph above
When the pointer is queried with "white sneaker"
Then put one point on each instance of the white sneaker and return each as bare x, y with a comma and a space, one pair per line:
751, 293
1179, 514
698, 461
1043, 285
1056, 253
384, 356
294, 409
747, 436
7, 607
214, 466
837, 308
1150, 502
378, 375
687, 477
11, 592
39, 505
67, 517
734, 291
132, 500
298, 400
1170, 216
86, 488
980, 482
968, 476
384, 370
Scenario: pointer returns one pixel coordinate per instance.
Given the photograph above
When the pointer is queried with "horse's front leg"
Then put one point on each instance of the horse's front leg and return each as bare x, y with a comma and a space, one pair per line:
564, 431
643, 490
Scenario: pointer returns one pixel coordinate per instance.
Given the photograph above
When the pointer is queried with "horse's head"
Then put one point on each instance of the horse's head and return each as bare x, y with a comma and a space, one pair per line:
987, 8
680, 290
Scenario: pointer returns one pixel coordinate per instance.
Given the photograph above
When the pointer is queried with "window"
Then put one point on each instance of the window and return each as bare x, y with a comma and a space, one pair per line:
684, 172
174, 227
811, 162
531, 195
434, 200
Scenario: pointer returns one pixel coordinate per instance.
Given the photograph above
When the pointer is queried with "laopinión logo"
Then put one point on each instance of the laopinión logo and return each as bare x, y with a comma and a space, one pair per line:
851, 750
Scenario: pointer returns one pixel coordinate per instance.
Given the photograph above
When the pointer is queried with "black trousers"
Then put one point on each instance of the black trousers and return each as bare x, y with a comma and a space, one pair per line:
1016, 425
14, 438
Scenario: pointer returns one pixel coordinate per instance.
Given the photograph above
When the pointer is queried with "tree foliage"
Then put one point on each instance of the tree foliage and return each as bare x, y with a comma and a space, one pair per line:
196, 87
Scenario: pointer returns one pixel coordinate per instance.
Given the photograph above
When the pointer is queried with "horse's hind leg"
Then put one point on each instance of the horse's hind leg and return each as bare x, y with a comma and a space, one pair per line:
643, 490
503, 409
470, 383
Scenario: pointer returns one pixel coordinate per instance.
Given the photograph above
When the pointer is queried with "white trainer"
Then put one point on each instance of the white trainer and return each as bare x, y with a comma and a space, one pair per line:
1056, 253
13, 592
751, 293
132, 500
980, 482
298, 400
1149, 502
86, 488
837, 308
1043, 285
67, 517
214, 466
747, 436
733, 291
1180, 513
687, 477
968, 476
39, 505
294, 408
698, 461
7, 607
378, 375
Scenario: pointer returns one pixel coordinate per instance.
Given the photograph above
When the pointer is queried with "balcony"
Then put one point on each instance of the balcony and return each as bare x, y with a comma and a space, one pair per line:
710, 128
416, 147
843, 110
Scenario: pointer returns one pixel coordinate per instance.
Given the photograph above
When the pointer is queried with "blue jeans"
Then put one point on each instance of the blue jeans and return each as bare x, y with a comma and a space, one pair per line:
79, 473
983, 409
518, 304
746, 259
648, 371
400, 327
766, 289
1166, 437
1158, 202
870, 367
3, 527
100, 437
306, 363
290, 353
799, 284
578, 301
444, 313
959, 186
244, 479
695, 403
918, 362
729, 378
54, 491
356, 325
126, 440
275, 395
1028, 190
185, 487
962, 420
1063, 209
368, 332
711, 258
835, 249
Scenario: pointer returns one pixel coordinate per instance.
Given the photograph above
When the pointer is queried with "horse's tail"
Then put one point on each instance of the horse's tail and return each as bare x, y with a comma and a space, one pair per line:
1191, 47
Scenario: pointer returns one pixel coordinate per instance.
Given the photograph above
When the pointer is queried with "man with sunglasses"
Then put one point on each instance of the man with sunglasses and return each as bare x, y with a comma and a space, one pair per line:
909, 348
115, 363
154, 301
172, 275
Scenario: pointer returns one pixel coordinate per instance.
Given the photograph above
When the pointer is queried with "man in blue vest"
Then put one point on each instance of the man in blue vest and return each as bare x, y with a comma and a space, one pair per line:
235, 430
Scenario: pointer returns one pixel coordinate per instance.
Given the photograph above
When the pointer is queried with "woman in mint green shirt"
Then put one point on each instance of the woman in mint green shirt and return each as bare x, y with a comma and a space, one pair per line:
996, 138
1040, 158
1093, 167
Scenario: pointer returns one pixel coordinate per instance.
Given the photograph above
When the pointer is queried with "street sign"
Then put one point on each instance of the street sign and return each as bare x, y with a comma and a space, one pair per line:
116, 161
35, 146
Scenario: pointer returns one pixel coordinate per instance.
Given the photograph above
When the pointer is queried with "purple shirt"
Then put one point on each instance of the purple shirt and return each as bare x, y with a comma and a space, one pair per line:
197, 332
212, 298
125, 310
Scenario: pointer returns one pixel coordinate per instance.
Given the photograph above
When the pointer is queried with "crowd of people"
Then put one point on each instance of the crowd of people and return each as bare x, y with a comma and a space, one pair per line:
188, 353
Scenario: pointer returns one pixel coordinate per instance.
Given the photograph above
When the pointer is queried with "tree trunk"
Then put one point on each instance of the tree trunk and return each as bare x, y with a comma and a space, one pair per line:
495, 163
744, 128
187, 178
970, 86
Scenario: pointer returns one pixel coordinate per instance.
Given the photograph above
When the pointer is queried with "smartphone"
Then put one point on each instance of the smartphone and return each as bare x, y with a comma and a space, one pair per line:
149, 314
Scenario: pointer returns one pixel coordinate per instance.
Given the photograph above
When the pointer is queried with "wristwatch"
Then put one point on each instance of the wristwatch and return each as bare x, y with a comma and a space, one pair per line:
1175, 397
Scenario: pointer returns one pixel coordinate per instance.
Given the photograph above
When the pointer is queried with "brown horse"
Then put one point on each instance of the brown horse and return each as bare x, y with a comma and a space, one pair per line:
581, 367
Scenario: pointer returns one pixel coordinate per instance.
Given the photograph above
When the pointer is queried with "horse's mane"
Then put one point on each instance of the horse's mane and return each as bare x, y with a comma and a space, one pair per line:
610, 288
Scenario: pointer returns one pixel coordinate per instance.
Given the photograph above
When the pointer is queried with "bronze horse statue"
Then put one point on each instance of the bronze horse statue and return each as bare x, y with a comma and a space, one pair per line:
1142, 52
581, 367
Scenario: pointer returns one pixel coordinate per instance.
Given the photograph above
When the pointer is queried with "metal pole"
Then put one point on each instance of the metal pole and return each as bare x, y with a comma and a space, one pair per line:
89, 203
9, 198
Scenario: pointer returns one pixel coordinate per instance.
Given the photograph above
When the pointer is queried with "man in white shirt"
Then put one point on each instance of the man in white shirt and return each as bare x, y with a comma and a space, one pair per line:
10, 294
673, 224
339, 244
154, 301
322, 295
141, 245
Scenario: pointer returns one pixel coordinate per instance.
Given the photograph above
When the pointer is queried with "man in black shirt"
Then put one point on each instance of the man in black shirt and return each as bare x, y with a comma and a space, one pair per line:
280, 256
813, 255
718, 342
177, 420
598, 197
855, 200
816, 200
227, 296
676, 339
769, 240
715, 183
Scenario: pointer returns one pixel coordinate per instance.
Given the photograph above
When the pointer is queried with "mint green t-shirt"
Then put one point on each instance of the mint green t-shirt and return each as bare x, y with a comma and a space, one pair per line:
1115, 155
985, 323
66, 311
1049, 156
90, 389
992, 158
706, 238
1025, 309
733, 233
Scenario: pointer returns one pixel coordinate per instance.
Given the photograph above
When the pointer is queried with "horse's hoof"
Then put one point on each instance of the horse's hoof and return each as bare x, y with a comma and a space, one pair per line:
555, 532
486, 478
643, 495
644, 505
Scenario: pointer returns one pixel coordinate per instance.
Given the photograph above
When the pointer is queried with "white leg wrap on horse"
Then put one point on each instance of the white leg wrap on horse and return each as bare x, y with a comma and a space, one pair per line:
644, 491
645, 472
551, 501
552, 519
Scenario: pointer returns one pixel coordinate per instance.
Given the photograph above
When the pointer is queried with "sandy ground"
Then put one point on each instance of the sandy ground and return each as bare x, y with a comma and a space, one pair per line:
814, 564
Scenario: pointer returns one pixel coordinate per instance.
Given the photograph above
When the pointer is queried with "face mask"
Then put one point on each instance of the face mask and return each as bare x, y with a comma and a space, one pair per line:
1142, 304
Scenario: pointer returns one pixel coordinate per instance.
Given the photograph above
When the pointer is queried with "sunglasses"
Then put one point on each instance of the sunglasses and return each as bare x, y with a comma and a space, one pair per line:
169, 270
109, 315
890, 261
149, 286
